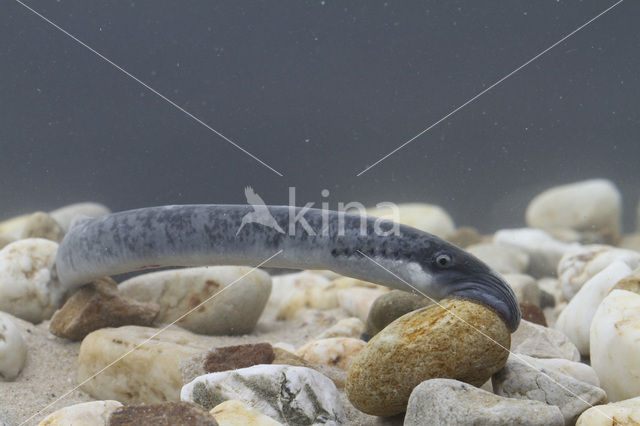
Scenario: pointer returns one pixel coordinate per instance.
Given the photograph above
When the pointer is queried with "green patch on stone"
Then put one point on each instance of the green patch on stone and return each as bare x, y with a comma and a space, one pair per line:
206, 396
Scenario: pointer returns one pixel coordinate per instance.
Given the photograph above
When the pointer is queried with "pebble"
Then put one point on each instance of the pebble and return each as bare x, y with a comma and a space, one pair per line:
629, 283
357, 301
85, 413
525, 288
163, 414
42, 225
290, 293
290, 395
449, 402
544, 251
148, 374
234, 412
235, 310
575, 320
98, 305
615, 344
13, 350
522, 379
28, 286
464, 236
346, 327
389, 307
336, 351
580, 265
542, 342
590, 205
532, 313
577, 370
426, 217
12, 229
67, 214
226, 358
624, 413
505, 259
424, 344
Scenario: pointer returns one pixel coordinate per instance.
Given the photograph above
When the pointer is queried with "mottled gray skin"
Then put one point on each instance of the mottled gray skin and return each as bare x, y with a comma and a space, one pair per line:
194, 235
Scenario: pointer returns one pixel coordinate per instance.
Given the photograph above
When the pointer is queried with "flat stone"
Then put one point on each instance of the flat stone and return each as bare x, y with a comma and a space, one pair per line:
521, 379
235, 310
428, 343
226, 358
615, 344
581, 264
336, 351
236, 413
28, 287
164, 414
290, 395
542, 342
623, 413
575, 320
449, 402
357, 300
13, 350
98, 305
577, 370
85, 413
389, 307
148, 374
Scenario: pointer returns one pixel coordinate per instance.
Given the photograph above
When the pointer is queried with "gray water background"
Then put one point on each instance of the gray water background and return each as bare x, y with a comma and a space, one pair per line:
318, 90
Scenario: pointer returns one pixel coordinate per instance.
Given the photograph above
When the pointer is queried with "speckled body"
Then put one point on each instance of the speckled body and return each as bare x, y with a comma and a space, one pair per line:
193, 235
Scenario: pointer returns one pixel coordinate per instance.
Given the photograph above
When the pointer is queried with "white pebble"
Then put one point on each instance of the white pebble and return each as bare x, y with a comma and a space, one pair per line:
13, 350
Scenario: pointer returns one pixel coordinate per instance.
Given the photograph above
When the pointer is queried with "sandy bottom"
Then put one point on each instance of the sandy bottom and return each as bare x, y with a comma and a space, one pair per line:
48, 380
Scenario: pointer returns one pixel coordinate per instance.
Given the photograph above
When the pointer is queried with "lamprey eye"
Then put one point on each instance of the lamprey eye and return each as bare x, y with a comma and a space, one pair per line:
443, 260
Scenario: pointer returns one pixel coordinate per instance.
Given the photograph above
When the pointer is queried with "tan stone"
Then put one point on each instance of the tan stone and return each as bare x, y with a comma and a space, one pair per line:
86, 413
236, 413
428, 343
148, 374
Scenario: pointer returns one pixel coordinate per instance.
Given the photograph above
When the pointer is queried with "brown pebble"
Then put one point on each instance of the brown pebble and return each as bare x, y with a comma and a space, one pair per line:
164, 414
532, 313
98, 305
240, 356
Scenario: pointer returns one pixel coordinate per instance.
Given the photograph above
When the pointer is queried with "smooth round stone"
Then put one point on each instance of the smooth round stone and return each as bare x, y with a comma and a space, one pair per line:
28, 286
591, 205
42, 225
615, 344
13, 350
336, 351
579, 265
524, 287
347, 327
86, 413
575, 320
544, 251
426, 217
67, 214
235, 297
13, 228
424, 344
506, 259
390, 306
625, 413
